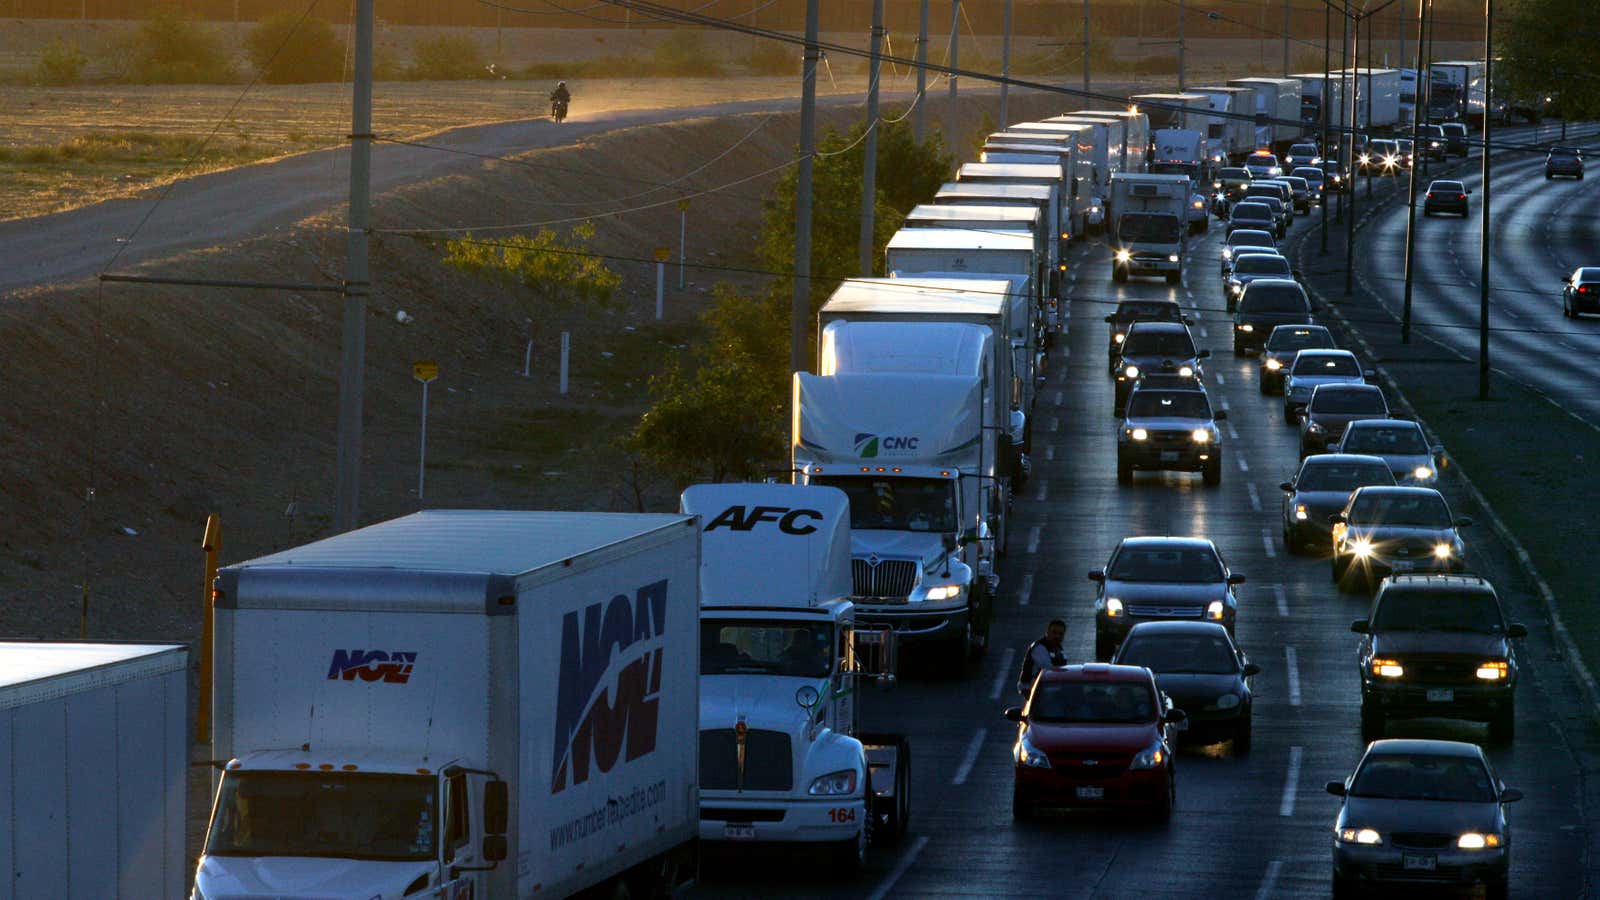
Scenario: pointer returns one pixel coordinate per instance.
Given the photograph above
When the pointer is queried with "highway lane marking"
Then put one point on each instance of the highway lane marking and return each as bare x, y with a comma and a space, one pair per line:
1220, 379
1060, 398
1026, 591
1266, 544
1291, 783
900, 869
1001, 677
1033, 538
971, 759
1282, 598
1044, 489
1055, 423
1567, 344
1293, 672
1202, 328
1243, 466
1232, 434
1510, 312
1255, 497
1269, 881
1050, 452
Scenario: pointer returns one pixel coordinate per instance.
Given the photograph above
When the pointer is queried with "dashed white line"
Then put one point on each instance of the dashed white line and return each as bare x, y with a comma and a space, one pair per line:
1220, 379
1567, 344
1255, 497
1025, 592
1244, 466
1202, 329
1269, 881
1291, 782
1054, 423
1233, 434
971, 757
900, 869
1004, 675
1060, 398
1266, 544
1044, 491
1281, 596
1050, 452
1033, 538
1293, 674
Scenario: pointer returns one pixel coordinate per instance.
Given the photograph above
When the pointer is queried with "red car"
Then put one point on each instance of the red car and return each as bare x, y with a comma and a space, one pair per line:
1094, 735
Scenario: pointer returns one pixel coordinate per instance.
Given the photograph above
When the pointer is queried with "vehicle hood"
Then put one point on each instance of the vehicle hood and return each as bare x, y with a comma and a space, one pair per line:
1390, 816
1077, 737
1170, 594
1402, 464
1152, 362
1168, 423
927, 546
1397, 534
1456, 643
1336, 422
762, 701
306, 878
1193, 692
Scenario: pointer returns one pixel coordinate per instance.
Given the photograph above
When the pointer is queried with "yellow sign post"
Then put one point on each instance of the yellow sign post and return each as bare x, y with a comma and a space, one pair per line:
423, 371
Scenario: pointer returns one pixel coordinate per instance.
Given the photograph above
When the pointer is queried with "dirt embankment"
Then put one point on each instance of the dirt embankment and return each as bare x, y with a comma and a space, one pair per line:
176, 402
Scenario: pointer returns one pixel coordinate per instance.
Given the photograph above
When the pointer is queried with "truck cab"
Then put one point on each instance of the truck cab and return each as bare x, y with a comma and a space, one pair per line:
783, 660
1148, 218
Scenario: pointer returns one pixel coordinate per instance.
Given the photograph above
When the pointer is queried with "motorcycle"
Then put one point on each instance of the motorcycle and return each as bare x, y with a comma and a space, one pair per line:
558, 110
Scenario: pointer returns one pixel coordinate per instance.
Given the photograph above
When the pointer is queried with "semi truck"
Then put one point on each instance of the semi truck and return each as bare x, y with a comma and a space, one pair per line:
1183, 110
783, 659
983, 217
1135, 136
1050, 174
1074, 203
965, 253
1377, 98
1470, 91
1312, 86
1278, 111
1096, 145
1114, 134
459, 703
917, 458
1232, 134
1184, 152
94, 760
1147, 215
1080, 136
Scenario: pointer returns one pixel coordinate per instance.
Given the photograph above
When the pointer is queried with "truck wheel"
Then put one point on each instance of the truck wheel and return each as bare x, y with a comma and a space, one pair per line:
1212, 476
891, 823
1175, 277
851, 854
1119, 274
1503, 727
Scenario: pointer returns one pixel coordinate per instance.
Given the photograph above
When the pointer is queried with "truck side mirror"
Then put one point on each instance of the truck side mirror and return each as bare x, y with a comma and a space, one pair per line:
950, 542
494, 847
1360, 626
1203, 354
970, 537
1097, 575
1516, 630
496, 813
1013, 714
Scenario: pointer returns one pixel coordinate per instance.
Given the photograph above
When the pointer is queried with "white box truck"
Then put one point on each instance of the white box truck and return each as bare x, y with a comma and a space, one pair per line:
459, 703
94, 755
1074, 203
1277, 109
1184, 152
1094, 145
1115, 137
966, 253
1231, 129
1182, 110
1050, 174
1148, 215
1377, 98
982, 217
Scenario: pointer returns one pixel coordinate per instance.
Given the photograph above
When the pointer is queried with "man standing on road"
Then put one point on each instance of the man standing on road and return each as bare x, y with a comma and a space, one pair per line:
1043, 653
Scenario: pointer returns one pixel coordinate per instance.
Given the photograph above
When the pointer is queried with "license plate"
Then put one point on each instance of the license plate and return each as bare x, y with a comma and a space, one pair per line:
738, 832
1091, 793
1169, 456
1403, 565
1416, 862
1441, 695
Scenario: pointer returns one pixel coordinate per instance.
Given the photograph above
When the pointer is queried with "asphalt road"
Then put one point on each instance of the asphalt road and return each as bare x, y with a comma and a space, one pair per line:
1254, 827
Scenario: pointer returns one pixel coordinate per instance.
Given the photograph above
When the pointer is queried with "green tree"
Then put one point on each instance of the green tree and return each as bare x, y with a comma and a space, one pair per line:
448, 57
59, 63
558, 269
286, 49
171, 46
1546, 48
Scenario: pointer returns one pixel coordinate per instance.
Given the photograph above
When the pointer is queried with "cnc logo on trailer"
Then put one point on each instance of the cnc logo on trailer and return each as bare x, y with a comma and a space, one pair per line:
789, 520
609, 695
870, 446
387, 666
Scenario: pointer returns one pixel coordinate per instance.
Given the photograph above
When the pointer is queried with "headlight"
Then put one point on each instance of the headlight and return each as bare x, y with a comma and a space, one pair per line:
1214, 610
1361, 547
947, 592
1124, 256
1199, 204
1216, 184
1227, 701
1388, 668
1113, 607
1472, 840
1186, 371
1200, 436
1390, 160
1227, 253
1441, 551
1422, 473
1315, 428
1131, 371
1247, 328
1360, 836
1172, 257
1026, 754
1300, 512
1365, 159
835, 784
1119, 338
1139, 434
1235, 287
1273, 365
1150, 757
1494, 670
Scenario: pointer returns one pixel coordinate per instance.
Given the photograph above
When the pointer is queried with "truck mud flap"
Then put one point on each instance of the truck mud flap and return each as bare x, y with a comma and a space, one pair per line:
889, 764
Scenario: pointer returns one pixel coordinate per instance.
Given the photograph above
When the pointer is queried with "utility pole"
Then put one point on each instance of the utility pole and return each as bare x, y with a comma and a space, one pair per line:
357, 282
1085, 46
1285, 38
1005, 67
1327, 86
1368, 91
1350, 124
1411, 197
869, 175
919, 116
1344, 136
1180, 46
1483, 237
950, 117
800, 303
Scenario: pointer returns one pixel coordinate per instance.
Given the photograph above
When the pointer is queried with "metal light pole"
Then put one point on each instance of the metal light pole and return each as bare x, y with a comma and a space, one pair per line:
800, 301
1411, 197
1368, 17
1005, 67
950, 117
1180, 47
1086, 46
919, 118
1483, 238
1327, 85
357, 282
1350, 217
1286, 38
1344, 125
869, 175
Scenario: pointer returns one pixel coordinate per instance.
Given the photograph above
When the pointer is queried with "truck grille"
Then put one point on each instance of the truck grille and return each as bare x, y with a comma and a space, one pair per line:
1171, 440
1157, 611
1441, 669
890, 580
768, 761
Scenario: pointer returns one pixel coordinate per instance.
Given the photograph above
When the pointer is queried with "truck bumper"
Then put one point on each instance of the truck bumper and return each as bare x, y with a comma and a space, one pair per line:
914, 625
781, 821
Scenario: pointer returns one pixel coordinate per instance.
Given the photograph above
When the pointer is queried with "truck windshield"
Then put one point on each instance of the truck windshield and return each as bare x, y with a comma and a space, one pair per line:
897, 504
1149, 228
341, 815
766, 647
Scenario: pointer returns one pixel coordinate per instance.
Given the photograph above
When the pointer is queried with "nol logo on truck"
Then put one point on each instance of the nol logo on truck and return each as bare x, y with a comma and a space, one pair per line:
594, 723
387, 666
737, 518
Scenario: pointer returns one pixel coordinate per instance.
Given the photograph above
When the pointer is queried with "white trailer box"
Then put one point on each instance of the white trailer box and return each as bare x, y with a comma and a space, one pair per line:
1074, 201
1147, 216
94, 756
1135, 136
1377, 98
1233, 134
978, 217
1311, 99
1471, 88
1184, 110
966, 252
1094, 145
1116, 138
1277, 109
485, 703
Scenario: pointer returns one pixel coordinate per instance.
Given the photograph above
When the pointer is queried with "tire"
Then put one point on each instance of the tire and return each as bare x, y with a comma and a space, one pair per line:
848, 856
1336, 569
1498, 887
1162, 811
1503, 727
1119, 275
1427, 213
1243, 736
1021, 809
1124, 472
1238, 351
891, 825
1371, 724
1174, 277
1211, 476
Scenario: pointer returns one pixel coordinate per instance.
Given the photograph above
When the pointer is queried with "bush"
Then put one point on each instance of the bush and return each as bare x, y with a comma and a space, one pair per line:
683, 54
558, 270
284, 49
773, 58
448, 57
171, 47
59, 63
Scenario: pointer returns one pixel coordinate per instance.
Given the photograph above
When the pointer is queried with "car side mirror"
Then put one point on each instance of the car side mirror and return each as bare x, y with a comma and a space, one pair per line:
1286, 486
1516, 630
1235, 578
1174, 716
1463, 521
1510, 795
494, 848
1296, 273
1097, 575
1360, 626
1251, 669
1203, 354
1336, 788
1013, 714
1336, 519
1369, 373
1111, 319
1220, 415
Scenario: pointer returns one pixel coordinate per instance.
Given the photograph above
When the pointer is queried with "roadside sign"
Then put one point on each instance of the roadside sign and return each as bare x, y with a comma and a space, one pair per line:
425, 371
663, 254
683, 205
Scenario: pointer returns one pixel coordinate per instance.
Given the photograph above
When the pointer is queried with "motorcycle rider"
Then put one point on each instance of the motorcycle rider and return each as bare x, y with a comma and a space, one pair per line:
560, 98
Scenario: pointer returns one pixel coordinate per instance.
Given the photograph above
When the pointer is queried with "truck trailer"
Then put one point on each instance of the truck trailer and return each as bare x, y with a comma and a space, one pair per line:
1469, 89
1277, 108
1231, 132
1377, 98
94, 756
1148, 214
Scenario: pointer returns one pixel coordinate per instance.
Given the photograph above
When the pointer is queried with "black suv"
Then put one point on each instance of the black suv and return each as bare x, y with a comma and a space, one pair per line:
1155, 347
1455, 138
1431, 142
1437, 646
1131, 311
1565, 161
1264, 304
1169, 425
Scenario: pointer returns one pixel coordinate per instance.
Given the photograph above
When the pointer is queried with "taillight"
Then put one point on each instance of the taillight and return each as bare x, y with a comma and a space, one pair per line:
1430, 195
1461, 196
1584, 289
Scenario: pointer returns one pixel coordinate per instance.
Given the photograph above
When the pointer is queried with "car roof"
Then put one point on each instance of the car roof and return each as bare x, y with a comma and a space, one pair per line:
1399, 490
1210, 629
1452, 583
1384, 423
1097, 672
1172, 327
1438, 181
1335, 459
1148, 541
1271, 282
1423, 747
1265, 252
1314, 352
1252, 204
1253, 232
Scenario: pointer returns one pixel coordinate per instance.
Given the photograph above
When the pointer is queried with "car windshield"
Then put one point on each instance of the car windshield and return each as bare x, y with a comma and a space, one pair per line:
1261, 264
1342, 476
1254, 211
1385, 440
1172, 344
1149, 228
1346, 402
897, 504
1313, 365
1286, 338
1411, 508
1563, 152
1273, 298
1145, 310
1080, 701
1246, 239
1423, 776
1312, 176
1168, 404
1303, 150
1179, 654
1404, 609
337, 815
1233, 175
766, 647
1167, 564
